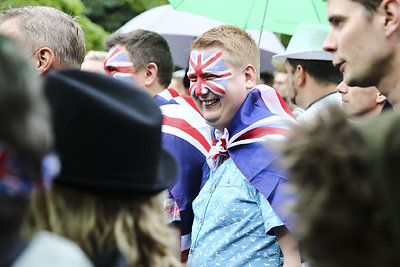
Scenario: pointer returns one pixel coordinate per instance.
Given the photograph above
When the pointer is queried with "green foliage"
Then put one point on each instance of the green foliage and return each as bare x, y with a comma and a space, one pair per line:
112, 14
95, 35
143, 5
71, 7
285, 39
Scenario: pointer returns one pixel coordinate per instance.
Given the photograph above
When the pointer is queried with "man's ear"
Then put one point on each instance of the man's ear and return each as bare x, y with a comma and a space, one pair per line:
300, 78
380, 99
45, 60
151, 73
391, 12
250, 74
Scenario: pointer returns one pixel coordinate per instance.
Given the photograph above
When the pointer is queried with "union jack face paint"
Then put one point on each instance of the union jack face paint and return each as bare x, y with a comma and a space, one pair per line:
208, 72
118, 65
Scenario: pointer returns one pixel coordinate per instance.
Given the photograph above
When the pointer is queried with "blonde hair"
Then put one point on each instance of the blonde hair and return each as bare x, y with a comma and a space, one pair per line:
237, 42
135, 227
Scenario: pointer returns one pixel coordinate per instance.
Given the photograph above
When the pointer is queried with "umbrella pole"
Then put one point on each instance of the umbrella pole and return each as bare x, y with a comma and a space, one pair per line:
262, 23
316, 11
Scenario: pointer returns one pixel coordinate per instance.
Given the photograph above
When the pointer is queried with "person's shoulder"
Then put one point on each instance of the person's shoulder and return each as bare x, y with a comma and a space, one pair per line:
47, 250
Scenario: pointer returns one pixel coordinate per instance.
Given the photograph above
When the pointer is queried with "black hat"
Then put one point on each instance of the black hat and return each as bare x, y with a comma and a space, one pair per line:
108, 135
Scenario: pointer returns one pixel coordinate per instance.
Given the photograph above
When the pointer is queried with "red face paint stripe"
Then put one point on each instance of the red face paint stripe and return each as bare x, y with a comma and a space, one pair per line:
215, 88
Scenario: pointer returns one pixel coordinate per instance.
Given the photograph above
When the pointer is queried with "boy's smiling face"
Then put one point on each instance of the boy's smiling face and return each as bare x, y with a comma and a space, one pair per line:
217, 88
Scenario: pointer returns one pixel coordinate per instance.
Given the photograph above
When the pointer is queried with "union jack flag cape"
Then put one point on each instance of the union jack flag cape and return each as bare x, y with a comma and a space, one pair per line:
188, 137
264, 116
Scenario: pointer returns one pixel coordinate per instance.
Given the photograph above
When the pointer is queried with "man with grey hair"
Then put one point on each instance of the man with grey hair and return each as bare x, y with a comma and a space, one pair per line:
52, 38
312, 77
365, 43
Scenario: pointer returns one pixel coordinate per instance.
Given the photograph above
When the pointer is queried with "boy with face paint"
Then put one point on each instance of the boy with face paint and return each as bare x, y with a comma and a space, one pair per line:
143, 58
237, 221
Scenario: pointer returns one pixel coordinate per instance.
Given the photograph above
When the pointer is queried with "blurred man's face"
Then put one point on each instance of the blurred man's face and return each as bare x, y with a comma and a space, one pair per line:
357, 41
359, 100
291, 86
281, 84
93, 66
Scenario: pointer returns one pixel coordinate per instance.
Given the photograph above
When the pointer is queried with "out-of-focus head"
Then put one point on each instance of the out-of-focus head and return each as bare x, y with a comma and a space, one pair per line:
25, 135
281, 84
267, 78
23, 112
345, 179
178, 83
94, 61
47, 34
358, 101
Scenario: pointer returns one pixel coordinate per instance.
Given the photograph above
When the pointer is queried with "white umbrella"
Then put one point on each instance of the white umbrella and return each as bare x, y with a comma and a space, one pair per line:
179, 28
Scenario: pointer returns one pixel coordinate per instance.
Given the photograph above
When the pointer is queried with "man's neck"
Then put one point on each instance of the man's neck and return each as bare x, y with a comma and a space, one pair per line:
370, 113
389, 85
154, 89
316, 91
393, 90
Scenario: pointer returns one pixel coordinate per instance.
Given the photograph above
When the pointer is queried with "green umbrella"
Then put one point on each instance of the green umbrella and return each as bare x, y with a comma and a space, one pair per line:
281, 16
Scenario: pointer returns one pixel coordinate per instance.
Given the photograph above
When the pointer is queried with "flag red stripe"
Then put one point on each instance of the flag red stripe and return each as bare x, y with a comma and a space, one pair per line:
285, 105
187, 128
173, 92
261, 131
189, 100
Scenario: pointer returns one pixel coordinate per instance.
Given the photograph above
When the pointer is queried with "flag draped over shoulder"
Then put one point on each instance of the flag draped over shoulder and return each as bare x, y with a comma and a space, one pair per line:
263, 117
188, 137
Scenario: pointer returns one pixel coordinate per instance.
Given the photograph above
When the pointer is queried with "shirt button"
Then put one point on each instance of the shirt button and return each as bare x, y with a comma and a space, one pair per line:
228, 181
191, 251
210, 190
201, 220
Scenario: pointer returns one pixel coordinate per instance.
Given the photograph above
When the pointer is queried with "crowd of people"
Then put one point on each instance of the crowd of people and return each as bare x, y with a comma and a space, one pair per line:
110, 158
